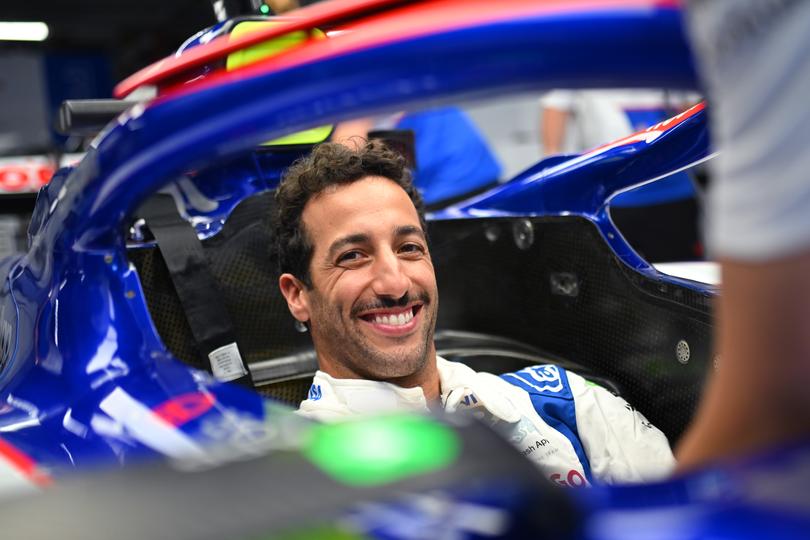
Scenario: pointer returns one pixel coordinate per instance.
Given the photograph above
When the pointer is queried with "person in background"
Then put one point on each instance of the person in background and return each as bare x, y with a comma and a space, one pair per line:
660, 220
754, 58
452, 159
282, 6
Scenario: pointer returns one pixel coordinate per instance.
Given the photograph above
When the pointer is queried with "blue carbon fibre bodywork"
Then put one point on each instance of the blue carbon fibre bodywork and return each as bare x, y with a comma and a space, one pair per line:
584, 185
164, 139
84, 377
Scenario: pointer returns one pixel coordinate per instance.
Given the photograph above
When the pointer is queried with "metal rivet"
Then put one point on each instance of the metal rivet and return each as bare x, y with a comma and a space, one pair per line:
108, 259
523, 232
492, 233
682, 352
130, 294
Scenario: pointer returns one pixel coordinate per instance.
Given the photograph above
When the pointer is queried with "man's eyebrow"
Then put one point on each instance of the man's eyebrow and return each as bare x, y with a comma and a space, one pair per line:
340, 243
407, 230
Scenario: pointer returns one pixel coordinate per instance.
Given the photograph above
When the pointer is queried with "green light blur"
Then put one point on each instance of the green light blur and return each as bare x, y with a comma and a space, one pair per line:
317, 533
381, 450
264, 9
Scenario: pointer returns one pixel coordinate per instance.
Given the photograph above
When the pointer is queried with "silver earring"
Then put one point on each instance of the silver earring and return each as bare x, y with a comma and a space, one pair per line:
300, 327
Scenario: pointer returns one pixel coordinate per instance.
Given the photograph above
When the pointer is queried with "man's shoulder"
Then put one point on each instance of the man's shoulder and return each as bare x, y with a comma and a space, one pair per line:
546, 380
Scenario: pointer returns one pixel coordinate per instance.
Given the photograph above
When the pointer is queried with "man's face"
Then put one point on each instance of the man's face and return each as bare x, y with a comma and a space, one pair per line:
373, 301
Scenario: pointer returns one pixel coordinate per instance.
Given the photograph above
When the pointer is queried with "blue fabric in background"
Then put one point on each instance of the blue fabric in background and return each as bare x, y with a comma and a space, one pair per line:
452, 157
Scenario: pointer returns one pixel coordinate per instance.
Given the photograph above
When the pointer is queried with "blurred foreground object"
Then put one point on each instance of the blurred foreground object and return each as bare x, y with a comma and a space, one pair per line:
755, 60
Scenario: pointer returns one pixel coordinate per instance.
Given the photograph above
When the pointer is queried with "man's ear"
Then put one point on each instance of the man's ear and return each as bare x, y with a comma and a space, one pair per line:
295, 294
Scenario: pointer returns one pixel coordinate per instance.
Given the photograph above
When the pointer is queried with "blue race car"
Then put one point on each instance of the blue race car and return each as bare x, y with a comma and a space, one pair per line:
148, 285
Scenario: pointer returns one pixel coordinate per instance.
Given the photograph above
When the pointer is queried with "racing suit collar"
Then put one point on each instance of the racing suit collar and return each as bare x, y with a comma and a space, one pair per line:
461, 389
364, 397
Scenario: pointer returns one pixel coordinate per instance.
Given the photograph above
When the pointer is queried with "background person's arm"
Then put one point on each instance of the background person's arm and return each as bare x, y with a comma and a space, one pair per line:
552, 130
759, 396
352, 132
555, 111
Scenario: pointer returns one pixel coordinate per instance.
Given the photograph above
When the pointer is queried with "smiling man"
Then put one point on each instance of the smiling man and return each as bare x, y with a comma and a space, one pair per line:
356, 269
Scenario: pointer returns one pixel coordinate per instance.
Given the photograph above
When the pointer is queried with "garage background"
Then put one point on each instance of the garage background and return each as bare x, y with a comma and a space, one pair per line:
93, 44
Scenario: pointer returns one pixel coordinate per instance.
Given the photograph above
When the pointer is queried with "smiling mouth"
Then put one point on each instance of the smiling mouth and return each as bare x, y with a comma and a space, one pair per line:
393, 318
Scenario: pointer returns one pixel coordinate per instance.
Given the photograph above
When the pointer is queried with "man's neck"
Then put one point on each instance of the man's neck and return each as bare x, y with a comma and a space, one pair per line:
427, 378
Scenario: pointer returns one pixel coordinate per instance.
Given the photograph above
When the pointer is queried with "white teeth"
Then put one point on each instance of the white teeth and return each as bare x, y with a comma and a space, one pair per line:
394, 320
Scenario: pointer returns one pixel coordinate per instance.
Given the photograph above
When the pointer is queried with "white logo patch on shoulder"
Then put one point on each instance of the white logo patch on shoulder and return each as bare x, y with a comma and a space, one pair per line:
545, 378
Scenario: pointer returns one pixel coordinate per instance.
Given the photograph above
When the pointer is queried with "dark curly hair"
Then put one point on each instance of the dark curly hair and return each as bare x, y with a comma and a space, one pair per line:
329, 164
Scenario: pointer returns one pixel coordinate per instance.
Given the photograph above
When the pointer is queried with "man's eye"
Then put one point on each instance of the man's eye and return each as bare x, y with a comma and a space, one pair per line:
412, 248
349, 256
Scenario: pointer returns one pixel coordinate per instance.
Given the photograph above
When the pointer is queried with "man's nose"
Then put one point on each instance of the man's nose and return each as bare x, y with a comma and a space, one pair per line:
390, 278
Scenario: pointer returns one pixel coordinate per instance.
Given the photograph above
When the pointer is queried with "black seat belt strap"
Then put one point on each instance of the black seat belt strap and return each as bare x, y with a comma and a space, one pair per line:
196, 288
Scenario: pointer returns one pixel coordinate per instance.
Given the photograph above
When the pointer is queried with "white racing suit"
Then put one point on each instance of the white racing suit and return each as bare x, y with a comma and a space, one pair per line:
575, 431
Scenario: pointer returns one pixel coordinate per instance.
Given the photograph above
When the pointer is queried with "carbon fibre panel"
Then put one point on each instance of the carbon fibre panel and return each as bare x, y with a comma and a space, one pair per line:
553, 283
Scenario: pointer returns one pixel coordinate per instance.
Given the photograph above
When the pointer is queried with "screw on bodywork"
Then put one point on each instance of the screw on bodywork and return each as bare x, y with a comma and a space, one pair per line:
523, 232
492, 233
682, 351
